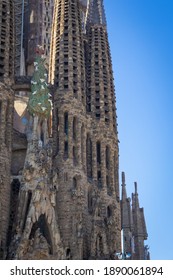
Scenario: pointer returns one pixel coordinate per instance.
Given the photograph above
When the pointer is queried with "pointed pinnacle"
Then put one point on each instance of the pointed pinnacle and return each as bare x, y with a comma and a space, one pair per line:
123, 178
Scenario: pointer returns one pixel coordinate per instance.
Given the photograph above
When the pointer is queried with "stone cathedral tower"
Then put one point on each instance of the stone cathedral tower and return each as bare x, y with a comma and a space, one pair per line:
65, 199
85, 132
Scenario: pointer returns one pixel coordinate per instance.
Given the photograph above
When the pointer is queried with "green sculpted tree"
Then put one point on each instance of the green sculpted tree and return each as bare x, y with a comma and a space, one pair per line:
39, 103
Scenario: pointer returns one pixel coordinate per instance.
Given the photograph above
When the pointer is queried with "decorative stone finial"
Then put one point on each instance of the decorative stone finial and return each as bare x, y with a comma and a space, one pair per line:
136, 188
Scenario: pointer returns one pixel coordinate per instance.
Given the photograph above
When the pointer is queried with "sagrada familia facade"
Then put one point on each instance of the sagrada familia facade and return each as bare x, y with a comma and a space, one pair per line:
59, 157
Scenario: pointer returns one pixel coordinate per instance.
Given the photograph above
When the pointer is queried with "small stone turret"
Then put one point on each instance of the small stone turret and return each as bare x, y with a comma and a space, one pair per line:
133, 225
139, 230
126, 218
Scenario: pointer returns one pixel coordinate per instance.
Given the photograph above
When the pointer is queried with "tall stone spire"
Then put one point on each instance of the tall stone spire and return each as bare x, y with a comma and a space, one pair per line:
6, 114
100, 105
100, 89
67, 74
100, 94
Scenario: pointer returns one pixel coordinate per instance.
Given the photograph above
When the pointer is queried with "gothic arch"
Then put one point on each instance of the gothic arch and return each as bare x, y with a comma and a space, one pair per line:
99, 249
45, 231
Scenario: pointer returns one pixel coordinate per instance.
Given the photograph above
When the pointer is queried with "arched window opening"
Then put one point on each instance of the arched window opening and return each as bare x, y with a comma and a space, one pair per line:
66, 123
74, 128
74, 183
99, 246
89, 156
107, 157
109, 212
42, 133
98, 153
68, 254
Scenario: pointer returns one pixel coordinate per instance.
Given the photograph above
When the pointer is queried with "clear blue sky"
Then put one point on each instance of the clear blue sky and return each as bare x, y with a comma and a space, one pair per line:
141, 41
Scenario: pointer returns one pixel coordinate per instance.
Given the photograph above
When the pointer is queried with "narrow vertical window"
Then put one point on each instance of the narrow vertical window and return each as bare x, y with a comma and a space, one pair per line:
0, 111
74, 128
82, 143
98, 153
66, 123
89, 156
7, 131
74, 183
107, 157
109, 212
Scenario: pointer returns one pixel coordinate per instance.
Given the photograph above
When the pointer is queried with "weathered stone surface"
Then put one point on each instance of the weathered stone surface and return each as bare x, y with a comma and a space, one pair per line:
6, 114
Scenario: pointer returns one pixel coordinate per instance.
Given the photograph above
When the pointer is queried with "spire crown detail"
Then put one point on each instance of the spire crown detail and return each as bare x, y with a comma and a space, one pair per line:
96, 12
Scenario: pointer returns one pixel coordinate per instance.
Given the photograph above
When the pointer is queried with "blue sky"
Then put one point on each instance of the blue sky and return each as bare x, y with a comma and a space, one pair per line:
141, 41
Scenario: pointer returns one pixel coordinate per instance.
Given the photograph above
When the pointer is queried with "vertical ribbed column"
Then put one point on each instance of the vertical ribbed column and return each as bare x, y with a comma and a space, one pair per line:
7, 38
